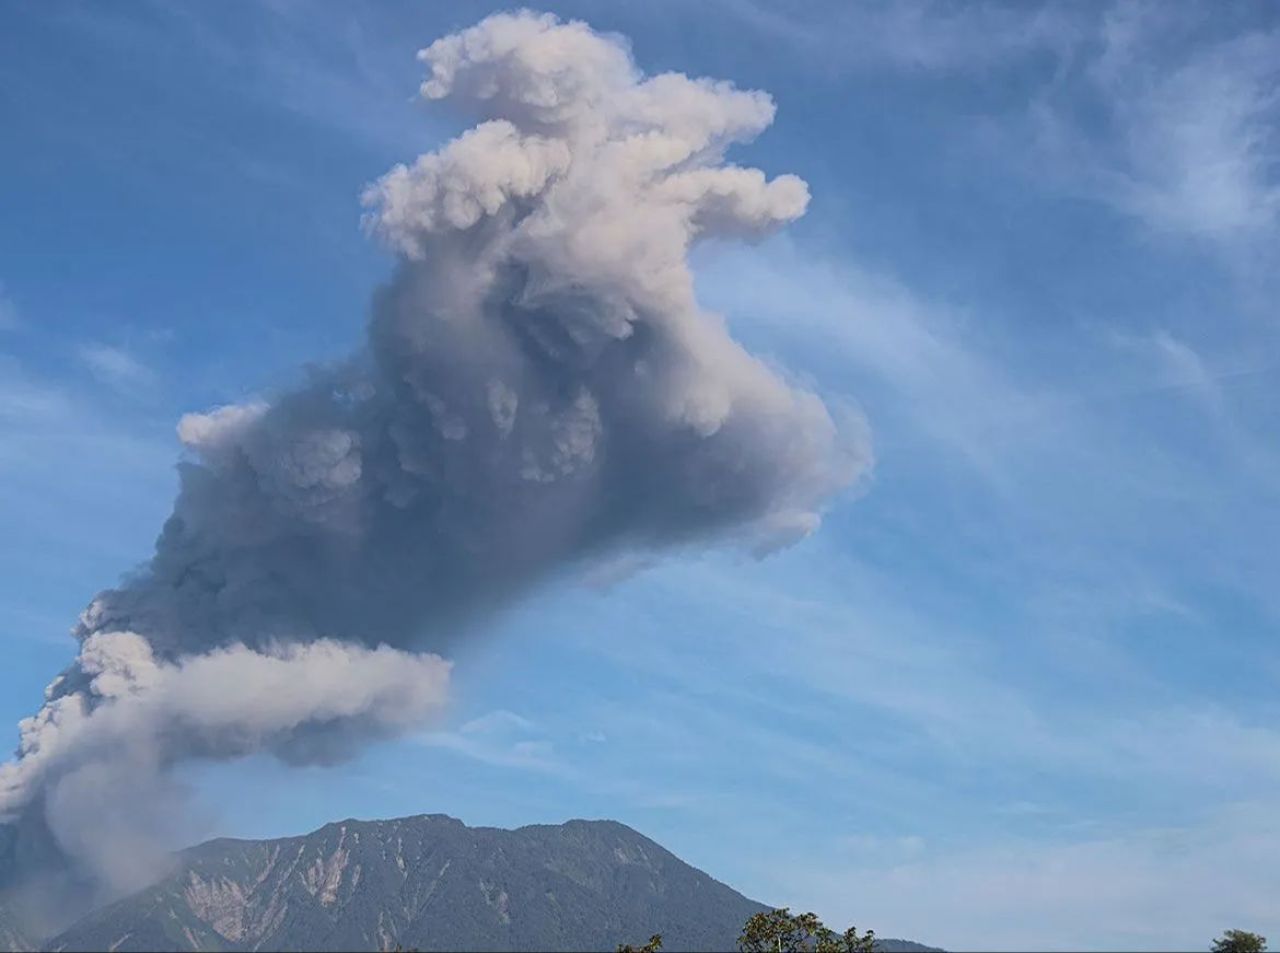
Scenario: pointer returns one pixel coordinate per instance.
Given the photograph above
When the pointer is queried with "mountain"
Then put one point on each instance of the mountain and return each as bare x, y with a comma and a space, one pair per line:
428, 883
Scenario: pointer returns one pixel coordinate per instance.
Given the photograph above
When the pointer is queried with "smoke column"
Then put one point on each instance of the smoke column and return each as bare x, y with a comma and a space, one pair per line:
538, 388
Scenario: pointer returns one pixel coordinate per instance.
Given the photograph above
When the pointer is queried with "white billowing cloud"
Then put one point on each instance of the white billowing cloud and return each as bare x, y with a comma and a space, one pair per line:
476, 175
230, 701
219, 430
134, 714
530, 64
617, 175
539, 389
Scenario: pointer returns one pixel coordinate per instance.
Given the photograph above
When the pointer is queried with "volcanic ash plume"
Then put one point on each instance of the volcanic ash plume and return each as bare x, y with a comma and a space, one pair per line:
538, 388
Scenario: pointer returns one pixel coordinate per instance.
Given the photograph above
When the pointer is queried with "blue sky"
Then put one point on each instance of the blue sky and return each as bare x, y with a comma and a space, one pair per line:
1020, 688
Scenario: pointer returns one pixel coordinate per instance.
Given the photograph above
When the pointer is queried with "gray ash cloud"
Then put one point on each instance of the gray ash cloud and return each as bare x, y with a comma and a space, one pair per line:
539, 388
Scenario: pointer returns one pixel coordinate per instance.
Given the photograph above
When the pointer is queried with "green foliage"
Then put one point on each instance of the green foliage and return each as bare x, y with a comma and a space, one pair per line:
780, 931
828, 941
1240, 941
776, 930
653, 946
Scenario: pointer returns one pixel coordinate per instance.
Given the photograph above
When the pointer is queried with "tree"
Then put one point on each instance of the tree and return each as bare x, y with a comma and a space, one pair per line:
780, 931
1240, 941
653, 946
848, 942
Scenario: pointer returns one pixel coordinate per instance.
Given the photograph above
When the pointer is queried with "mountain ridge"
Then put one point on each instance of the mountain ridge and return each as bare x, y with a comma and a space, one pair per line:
425, 882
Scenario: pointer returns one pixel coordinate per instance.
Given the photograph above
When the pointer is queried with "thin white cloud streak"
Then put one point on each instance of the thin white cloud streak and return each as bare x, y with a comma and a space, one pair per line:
1219, 390
1147, 888
510, 742
855, 657
923, 35
348, 74
48, 430
919, 367
25, 400
1034, 440
116, 367
45, 423
500, 738
845, 646
883, 332
1182, 367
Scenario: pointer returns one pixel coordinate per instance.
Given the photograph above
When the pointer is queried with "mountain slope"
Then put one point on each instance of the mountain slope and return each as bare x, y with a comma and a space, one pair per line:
427, 883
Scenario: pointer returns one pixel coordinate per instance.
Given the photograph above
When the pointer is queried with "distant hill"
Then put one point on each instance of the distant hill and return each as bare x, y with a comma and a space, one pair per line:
428, 883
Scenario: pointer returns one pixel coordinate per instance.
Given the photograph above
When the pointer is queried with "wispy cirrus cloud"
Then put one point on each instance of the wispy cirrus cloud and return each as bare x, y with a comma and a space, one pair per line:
75, 466
48, 429
926, 35
336, 72
500, 738
1171, 116
1148, 887
116, 367
937, 769
1168, 114
26, 400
